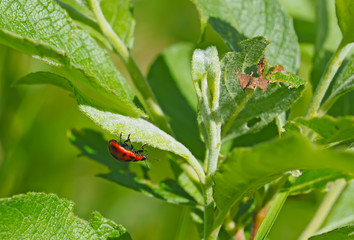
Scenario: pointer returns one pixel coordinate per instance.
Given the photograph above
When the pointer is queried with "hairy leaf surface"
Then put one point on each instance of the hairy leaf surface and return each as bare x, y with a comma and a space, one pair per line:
236, 20
45, 216
141, 130
46, 23
248, 112
93, 145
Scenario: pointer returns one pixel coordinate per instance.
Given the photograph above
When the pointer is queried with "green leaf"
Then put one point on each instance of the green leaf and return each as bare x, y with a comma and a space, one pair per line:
172, 84
342, 212
345, 15
141, 131
343, 84
186, 183
120, 17
248, 112
237, 19
93, 145
326, 38
314, 179
107, 228
46, 78
329, 129
206, 75
44, 23
292, 79
59, 81
144, 132
80, 11
84, 18
206, 78
247, 169
45, 216
232, 96
44, 51
344, 233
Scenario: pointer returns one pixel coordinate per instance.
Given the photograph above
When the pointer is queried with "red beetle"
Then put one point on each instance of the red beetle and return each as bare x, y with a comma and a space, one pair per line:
122, 152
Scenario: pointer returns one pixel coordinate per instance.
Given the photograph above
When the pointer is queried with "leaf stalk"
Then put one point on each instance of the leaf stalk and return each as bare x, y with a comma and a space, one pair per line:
325, 207
139, 82
327, 77
271, 216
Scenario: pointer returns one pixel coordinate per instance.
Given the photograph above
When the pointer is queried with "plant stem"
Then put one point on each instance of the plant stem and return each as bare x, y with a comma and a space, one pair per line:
140, 85
322, 212
271, 216
213, 146
326, 79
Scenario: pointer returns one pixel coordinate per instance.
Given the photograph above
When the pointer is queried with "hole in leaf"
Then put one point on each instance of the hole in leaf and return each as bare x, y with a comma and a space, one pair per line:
253, 122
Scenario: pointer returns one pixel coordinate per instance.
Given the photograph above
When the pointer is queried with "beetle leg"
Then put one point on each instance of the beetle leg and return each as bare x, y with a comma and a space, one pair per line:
142, 149
128, 140
120, 141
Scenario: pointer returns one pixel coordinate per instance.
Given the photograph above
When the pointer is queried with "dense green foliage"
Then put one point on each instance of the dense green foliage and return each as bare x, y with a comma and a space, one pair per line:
235, 126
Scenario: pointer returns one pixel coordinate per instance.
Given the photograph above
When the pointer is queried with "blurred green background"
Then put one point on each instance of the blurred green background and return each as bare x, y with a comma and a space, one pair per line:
35, 154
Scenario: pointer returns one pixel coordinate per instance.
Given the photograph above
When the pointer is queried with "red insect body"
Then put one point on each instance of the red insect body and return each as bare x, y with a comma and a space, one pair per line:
122, 152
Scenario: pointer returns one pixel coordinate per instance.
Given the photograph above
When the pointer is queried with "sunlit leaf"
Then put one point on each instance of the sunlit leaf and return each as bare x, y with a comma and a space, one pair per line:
344, 233
236, 20
45, 216
247, 169
314, 179
329, 129
93, 145
141, 130
45, 23
206, 78
292, 79
119, 14
345, 15
60, 81
248, 112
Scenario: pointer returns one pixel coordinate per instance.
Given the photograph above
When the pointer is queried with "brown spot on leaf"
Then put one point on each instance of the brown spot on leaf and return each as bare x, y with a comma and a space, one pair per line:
278, 68
248, 82
260, 67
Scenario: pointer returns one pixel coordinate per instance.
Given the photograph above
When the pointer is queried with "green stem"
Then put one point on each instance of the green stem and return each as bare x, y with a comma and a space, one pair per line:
213, 147
211, 160
208, 210
218, 221
271, 216
140, 85
324, 209
326, 106
326, 79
